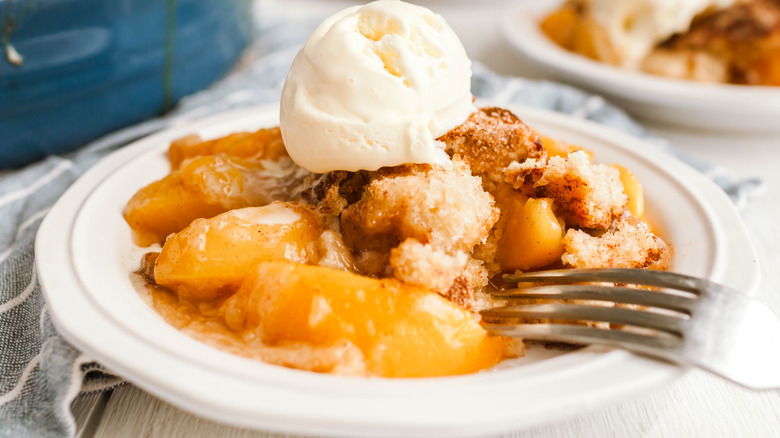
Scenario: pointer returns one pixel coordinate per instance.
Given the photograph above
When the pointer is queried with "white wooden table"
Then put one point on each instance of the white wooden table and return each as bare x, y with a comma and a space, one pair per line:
697, 405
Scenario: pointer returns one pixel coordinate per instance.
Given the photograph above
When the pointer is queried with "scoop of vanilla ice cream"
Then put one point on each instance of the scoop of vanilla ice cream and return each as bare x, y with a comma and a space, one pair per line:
375, 86
636, 26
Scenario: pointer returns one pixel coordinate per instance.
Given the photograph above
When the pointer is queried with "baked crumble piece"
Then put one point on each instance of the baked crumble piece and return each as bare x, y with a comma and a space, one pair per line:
419, 223
491, 139
586, 195
627, 243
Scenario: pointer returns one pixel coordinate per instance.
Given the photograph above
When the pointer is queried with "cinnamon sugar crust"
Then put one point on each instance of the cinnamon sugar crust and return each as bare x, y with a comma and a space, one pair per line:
331, 192
491, 139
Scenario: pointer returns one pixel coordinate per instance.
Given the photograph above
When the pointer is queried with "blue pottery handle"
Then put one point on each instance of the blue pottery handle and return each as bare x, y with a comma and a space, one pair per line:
73, 70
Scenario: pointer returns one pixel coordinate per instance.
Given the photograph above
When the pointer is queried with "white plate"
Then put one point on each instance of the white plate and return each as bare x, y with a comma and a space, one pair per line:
681, 102
84, 256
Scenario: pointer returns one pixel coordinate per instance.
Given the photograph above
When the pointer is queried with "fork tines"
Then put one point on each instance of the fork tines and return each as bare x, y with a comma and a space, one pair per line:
642, 277
688, 320
615, 294
649, 343
595, 305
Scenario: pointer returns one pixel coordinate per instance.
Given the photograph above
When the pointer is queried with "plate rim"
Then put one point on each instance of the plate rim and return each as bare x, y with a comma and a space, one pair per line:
50, 234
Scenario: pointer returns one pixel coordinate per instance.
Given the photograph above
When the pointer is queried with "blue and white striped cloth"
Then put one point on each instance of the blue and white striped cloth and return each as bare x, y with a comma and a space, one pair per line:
40, 373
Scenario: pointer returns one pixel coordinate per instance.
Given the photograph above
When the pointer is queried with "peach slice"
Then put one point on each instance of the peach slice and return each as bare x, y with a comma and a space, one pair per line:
633, 189
532, 236
164, 207
210, 258
402, 330
264, 144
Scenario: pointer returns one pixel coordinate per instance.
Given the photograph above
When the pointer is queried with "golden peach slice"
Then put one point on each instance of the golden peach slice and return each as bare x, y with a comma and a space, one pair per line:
402, 330
210, 258
633, 189
532, 236
164, 207
264, 144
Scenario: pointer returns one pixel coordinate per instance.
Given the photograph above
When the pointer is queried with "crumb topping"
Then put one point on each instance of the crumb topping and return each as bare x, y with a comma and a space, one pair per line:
489, 140
628, 243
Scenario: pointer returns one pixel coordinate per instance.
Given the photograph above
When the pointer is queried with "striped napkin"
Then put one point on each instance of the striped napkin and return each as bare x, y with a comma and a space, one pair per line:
40, 372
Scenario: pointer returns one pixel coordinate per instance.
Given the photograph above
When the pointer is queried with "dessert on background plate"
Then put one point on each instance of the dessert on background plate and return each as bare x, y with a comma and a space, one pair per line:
361, 235
716, 41
673, 98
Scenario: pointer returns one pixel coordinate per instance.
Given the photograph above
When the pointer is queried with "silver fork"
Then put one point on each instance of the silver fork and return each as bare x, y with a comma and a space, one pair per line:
689, 320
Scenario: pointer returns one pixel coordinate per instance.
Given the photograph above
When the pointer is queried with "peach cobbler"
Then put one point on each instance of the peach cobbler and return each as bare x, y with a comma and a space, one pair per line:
724, 41
376, 272
374, 257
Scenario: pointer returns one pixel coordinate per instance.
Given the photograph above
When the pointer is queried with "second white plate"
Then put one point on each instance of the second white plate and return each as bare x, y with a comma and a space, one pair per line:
84, 256
680, 102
